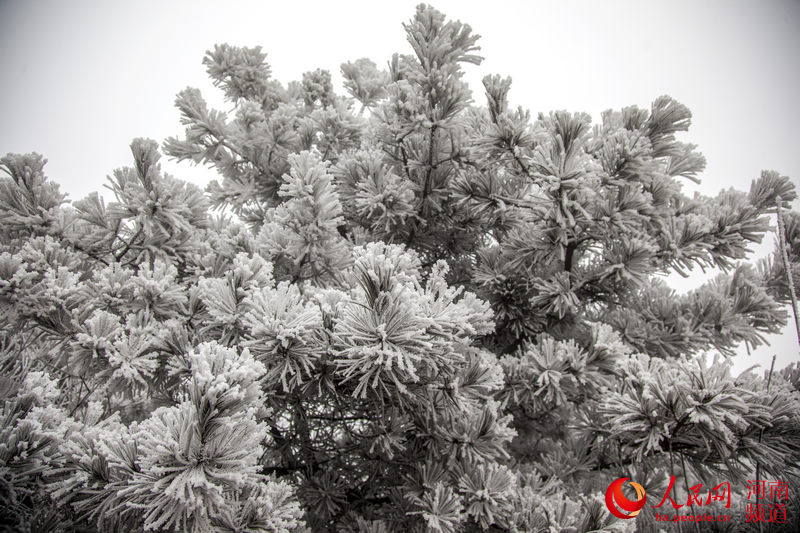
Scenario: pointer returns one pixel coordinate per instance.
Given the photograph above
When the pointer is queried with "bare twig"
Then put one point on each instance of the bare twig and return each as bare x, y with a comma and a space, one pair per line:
787, 267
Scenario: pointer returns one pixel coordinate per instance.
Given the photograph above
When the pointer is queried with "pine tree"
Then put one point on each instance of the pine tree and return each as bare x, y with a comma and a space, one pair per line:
418, 314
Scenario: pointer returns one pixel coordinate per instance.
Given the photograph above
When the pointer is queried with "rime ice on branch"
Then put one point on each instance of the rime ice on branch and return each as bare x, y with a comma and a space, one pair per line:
422, 315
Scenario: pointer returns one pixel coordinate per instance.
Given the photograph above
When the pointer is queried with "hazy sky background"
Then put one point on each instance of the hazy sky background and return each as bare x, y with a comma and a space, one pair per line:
81, 79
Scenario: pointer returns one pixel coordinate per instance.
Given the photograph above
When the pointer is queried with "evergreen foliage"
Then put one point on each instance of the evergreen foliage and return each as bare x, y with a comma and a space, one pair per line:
420, 315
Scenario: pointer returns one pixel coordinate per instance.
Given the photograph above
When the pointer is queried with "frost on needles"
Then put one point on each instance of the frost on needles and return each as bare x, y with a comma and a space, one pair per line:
415, 314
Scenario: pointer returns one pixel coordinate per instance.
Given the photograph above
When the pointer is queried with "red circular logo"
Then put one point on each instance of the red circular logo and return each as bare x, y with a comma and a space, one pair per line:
619, 505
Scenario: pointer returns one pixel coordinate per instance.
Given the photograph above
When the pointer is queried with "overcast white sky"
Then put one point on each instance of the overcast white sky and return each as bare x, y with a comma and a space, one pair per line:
81, 79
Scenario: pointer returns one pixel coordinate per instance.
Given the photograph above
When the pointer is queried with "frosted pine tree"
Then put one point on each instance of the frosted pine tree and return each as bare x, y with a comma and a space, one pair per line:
418, 314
